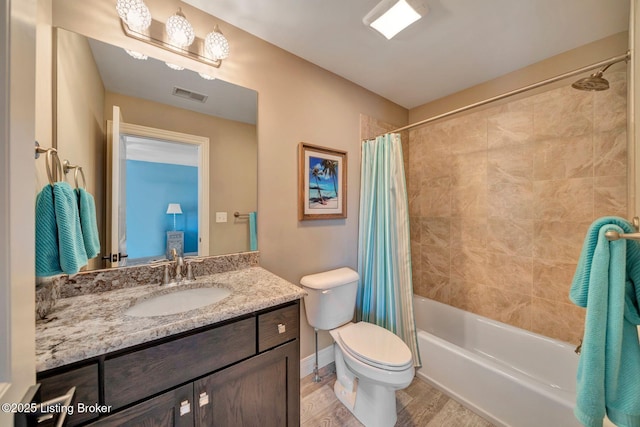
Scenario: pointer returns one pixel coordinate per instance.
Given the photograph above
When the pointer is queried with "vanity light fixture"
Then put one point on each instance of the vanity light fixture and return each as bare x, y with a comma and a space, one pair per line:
216, 44
174, 66
389, 17
137, 55
179, 30
177, 35
135, 13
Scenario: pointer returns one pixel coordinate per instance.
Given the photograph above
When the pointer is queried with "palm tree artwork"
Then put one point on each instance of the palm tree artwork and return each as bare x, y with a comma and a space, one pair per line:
316, 172
331, 170
321, 171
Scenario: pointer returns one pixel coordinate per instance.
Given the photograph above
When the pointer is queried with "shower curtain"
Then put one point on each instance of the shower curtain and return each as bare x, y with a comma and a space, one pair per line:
385, 292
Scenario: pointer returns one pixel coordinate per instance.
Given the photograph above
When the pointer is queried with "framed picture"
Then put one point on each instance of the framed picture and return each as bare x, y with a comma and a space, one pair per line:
322, 182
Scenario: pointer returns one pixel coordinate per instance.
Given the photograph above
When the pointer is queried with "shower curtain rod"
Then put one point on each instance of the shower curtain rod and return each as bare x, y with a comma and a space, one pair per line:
566, 75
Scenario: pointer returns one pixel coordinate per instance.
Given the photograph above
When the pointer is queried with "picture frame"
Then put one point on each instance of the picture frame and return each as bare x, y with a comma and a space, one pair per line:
322, 182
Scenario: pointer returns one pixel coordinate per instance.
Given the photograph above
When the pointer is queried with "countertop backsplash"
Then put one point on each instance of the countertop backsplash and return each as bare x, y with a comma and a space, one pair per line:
50, 289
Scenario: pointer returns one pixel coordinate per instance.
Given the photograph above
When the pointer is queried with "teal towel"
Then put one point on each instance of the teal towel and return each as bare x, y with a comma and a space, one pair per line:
88, 222
607, 283
59, 242
47, 254
253, 231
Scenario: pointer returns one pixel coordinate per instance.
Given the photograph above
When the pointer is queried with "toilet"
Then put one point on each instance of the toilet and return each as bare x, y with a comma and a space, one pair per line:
371, 362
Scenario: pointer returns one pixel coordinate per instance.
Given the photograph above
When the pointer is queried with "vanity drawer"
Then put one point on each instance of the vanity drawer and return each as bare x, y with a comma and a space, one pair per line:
277, 327
84, 379
134, 376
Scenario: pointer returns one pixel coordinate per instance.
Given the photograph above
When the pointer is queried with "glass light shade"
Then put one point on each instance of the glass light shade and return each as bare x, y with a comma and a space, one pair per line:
134, 13
174, 66
179, 31
216, 45
206, 76
136, 55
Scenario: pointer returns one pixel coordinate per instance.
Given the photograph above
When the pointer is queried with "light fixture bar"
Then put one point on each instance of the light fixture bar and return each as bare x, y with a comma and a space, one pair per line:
156, 36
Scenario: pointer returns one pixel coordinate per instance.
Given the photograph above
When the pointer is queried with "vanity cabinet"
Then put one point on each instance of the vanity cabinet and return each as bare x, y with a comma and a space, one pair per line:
243, 372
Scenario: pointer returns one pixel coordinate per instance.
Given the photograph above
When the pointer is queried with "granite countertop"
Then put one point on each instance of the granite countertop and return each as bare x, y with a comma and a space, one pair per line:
86, 326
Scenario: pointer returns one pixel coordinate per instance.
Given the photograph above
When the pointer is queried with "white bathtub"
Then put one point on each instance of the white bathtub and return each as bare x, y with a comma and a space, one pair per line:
510, 376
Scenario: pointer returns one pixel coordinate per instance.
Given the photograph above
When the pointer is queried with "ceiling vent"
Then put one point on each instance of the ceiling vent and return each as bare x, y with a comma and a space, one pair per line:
194, 96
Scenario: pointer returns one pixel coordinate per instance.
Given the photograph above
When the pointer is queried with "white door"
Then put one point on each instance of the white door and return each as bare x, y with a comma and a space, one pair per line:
115, 227
117, 133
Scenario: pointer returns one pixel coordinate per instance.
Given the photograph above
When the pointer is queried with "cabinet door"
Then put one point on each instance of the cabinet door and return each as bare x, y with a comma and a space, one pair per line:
171, 409
262, 391
85, 380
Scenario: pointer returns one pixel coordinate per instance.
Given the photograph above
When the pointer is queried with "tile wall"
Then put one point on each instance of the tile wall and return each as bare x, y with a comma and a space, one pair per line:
500, 201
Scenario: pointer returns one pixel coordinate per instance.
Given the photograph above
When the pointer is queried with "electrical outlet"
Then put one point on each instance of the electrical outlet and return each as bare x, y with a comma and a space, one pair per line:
221, 217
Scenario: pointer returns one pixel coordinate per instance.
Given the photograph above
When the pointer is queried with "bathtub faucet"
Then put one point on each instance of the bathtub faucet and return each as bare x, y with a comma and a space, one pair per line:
578, 348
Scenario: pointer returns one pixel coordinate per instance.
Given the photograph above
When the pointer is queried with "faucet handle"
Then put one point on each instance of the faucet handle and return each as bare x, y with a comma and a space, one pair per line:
189, 261
166, 279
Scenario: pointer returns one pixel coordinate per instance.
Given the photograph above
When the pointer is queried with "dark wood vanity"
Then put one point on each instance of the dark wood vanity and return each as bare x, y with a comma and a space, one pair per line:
239, 372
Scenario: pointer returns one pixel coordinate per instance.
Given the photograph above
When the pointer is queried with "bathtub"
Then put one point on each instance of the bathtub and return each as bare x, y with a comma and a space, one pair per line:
509, 376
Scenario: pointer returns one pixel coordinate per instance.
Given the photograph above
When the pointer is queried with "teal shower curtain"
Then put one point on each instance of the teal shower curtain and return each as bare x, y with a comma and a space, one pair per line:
385, 292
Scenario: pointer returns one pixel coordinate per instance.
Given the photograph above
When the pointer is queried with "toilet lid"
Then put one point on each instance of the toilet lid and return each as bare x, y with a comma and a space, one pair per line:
375, 345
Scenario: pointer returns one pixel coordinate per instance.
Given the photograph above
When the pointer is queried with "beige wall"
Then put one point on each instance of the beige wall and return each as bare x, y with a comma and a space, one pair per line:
297, 101
556, 65
80, 124
232, 162
501, 199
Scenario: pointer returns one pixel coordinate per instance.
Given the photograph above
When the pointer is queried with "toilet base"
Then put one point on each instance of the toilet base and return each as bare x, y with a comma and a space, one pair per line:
373, 404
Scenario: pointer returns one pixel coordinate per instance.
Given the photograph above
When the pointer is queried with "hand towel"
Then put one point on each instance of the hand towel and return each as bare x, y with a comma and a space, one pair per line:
59, 208
253, 231
47, 254
88, 222
607, 283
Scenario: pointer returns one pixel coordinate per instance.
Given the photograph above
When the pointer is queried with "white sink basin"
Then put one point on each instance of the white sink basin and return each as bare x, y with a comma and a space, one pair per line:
177, 302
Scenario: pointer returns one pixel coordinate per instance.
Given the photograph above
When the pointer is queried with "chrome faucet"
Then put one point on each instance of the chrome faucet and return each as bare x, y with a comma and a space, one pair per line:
179, 263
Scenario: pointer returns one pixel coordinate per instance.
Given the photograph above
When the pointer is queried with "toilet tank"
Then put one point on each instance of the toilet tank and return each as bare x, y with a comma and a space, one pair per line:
331, 297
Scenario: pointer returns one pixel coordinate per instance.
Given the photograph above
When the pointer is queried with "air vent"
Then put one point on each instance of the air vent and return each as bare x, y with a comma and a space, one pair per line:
194, 96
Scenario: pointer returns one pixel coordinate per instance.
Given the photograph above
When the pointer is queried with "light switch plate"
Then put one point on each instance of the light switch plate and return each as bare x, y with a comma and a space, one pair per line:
221, 217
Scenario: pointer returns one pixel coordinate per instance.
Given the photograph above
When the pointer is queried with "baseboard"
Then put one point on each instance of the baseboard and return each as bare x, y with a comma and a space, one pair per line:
325, 357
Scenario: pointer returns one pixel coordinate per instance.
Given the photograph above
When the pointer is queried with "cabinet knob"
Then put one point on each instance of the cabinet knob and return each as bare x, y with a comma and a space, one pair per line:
282, 328
204, 399
185, 407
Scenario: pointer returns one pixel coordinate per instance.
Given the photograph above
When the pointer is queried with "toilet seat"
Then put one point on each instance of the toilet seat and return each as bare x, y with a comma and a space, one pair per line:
375, 346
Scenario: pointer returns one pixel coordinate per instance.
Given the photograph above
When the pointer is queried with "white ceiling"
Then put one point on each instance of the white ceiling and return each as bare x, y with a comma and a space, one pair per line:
460, 43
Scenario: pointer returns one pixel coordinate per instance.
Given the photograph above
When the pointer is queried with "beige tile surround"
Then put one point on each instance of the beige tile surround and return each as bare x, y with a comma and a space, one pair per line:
500, 200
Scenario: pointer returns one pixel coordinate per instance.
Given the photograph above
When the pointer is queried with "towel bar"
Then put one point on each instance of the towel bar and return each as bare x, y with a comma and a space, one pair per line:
49, 162
614, 235
67, 166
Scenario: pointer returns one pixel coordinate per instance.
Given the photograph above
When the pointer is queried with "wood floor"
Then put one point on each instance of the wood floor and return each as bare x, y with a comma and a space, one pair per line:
418, 405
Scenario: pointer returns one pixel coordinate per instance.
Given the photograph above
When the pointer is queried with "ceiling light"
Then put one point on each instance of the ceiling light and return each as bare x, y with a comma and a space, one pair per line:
135, 13
136, 55
179, 30
390, 17
216, 44
174, 66
206, 76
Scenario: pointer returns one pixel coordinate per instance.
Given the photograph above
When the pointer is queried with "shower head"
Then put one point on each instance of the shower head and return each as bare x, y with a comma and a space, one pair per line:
594, 82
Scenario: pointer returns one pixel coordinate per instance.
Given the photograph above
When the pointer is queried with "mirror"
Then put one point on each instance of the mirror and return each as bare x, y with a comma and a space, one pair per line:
91, 77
